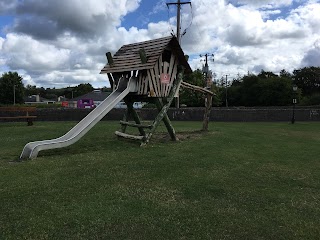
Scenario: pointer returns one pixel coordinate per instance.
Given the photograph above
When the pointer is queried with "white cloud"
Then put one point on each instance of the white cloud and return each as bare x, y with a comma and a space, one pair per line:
307, 16
243, 40
26, 53
59, 43
158, 7
262, 3
312, 56
7, 5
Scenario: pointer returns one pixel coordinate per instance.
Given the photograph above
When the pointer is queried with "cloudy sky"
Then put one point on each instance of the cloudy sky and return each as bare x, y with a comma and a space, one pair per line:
58, 43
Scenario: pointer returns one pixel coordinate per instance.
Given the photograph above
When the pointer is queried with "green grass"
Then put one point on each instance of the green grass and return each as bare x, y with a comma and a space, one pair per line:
239, 181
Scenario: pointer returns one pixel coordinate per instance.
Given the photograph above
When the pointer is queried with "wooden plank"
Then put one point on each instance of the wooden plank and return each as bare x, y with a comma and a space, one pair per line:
128, 62
164, 85
146, 84
128, 136
143, 56
110, 59
160, 67
135, 125
174, 73
132, 53
149, 50
123, 60
163, 112
196, 88
156, 77
135, 115
126, 68
129, 66
140, 84
125, 118
152, 90
166, 120
111, 81
172, 62
153, 79
146, 44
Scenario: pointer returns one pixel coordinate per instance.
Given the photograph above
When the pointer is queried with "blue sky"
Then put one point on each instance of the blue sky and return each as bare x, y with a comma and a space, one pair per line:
57, 43
147, 12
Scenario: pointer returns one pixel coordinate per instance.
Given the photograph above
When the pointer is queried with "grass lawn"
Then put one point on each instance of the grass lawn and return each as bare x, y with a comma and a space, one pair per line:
238, 181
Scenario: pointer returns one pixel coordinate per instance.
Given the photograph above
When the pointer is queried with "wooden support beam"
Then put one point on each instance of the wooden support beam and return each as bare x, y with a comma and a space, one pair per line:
143, 56
110, 59
125, 119
166, 120
206, 117
135, 115
112, 84
165, 108
135, 125
196, 88
129, 136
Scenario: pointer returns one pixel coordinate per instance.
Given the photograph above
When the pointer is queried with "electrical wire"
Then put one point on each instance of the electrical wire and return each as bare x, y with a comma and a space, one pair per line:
186, 29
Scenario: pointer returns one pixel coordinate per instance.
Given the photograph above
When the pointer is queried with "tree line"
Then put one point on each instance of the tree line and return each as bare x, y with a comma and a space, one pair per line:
263, 89
12, 90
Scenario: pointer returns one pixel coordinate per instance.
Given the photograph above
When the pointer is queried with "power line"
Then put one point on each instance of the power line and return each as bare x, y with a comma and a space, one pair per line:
179, 3
205, 69
178, 35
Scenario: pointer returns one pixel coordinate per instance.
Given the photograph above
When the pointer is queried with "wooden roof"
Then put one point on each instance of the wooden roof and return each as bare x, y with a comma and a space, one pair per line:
127, 58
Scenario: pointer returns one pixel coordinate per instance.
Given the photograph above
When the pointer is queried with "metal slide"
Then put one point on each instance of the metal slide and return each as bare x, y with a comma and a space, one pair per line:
125, 86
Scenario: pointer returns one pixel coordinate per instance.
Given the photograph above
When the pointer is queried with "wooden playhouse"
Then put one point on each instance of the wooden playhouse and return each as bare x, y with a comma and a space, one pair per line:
158, 66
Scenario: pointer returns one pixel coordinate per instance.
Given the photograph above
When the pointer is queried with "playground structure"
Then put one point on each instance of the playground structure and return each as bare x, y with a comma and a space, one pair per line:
150, 71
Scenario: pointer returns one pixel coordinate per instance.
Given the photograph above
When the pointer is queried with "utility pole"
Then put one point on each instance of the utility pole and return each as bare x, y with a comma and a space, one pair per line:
226, 90
179, 3
14, 94
178, 35
205, 69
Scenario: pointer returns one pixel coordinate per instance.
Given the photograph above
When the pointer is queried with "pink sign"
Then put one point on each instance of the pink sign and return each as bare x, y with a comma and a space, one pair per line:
165, 78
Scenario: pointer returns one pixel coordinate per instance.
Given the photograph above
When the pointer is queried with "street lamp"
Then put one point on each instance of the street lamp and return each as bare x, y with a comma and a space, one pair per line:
14, 94
294, 101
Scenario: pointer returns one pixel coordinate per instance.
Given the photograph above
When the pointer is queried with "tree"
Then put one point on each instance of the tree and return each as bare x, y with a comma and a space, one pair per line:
307, 79
275, 91
11, 88
265, 89
31, 90
264, 74
249, 90
82, 89
193, 98
285, 74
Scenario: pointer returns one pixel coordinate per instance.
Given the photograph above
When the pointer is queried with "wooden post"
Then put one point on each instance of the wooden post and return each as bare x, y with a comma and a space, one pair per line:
206, 116
208, 102
135, 116
166, 120
143, 56
112, 84
165, 108
110, 59
125, 119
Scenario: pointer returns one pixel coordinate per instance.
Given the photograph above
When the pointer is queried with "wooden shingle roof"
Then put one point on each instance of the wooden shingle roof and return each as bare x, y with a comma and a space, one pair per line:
127, 58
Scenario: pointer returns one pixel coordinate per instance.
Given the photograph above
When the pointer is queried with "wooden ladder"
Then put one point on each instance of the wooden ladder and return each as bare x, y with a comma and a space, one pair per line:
162, 105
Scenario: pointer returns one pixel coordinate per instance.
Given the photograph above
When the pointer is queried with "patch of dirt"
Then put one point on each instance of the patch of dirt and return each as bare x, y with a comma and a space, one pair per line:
182, 136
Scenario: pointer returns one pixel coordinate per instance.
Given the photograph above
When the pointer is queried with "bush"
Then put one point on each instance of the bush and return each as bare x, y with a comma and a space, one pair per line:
311, 100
